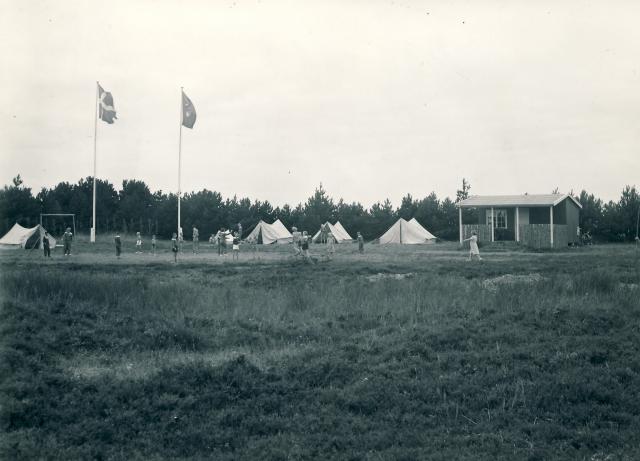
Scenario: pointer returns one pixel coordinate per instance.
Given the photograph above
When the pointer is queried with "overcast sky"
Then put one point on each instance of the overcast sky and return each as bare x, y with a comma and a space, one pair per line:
372, 98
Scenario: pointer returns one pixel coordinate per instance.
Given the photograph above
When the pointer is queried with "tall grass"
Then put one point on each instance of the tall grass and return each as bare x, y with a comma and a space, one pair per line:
286, 361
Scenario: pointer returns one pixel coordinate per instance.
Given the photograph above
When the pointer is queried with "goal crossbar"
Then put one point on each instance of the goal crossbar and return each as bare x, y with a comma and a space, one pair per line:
73, 215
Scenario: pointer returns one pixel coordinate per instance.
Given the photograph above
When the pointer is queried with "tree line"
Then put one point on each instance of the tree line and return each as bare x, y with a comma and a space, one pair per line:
135, 208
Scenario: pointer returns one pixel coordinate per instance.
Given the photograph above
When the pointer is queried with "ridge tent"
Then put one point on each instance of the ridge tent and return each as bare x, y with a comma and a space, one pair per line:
284, 236
407, 233
428, 235
267, 234
338, 232
339, 226
23, 237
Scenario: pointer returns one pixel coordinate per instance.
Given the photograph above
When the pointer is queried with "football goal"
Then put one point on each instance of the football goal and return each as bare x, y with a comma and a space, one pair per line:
57, 223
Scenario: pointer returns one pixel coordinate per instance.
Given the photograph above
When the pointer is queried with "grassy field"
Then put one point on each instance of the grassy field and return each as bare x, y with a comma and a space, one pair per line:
401, 353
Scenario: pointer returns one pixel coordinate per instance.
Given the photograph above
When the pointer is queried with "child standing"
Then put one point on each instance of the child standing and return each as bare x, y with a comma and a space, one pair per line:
221, 242
45, 245
138, 243
305, 245
236, 247
153, 244
360, 243
67, 237
331, 244
196, 240
174, 247
180, 238
296, 241
473, 246
118, 243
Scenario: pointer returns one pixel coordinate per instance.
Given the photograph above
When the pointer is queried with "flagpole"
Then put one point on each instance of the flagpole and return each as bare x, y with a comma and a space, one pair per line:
180, 160
92, 238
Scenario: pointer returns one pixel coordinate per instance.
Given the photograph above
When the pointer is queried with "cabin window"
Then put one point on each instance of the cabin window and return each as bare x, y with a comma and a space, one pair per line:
500, 218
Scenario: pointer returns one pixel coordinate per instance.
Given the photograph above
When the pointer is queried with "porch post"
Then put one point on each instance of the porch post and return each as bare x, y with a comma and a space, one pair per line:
517, 224
493, 238
460, 221
551, 223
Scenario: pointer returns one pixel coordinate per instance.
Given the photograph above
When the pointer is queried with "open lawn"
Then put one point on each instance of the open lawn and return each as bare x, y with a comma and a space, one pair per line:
400, 353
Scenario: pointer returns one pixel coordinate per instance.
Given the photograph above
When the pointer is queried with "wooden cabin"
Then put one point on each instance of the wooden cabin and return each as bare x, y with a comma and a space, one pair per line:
538, 221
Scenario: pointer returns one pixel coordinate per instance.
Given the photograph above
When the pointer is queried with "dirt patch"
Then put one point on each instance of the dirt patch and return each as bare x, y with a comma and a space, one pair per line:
380, 276
510, 279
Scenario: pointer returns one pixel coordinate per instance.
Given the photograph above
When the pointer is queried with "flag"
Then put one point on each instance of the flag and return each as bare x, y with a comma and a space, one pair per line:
188, 112
106, 110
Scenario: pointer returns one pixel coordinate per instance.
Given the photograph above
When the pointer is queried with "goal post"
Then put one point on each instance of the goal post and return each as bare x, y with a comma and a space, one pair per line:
72, 215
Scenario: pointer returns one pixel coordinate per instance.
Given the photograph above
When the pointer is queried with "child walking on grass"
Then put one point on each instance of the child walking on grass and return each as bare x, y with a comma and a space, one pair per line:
473, 246
153, 244
174, 247
360, 243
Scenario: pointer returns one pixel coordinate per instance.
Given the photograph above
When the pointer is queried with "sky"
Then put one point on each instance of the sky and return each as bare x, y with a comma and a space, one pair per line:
373, 99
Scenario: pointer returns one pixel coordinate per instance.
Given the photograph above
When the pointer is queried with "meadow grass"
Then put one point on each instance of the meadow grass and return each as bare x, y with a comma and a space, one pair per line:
273, 359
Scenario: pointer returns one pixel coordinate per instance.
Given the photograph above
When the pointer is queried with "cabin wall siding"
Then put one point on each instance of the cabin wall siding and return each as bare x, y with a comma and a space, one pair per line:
573, 221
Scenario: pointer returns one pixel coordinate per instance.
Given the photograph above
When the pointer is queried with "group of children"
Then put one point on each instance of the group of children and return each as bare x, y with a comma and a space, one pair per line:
224, 237
118, 242
67, 238
301, 241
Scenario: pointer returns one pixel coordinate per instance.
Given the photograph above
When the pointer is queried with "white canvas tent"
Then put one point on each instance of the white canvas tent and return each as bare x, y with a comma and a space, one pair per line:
284, 236
407, 233
428, 235
341, 229
340, 233
270, 233
23, 237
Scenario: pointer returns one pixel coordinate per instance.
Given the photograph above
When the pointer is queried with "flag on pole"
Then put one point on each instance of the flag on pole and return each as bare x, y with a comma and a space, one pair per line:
188, 112
106, 110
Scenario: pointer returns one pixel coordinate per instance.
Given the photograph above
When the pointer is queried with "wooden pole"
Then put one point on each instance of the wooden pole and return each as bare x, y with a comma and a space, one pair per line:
460, 223
493, 238
551, 223
92, 238
517, 224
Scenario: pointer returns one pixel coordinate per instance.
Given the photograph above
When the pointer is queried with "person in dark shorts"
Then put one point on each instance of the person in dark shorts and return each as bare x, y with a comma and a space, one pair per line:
305, 244
174, 247
118, 242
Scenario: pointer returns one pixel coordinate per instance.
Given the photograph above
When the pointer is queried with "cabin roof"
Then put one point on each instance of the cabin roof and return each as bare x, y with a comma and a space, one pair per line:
515, 200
